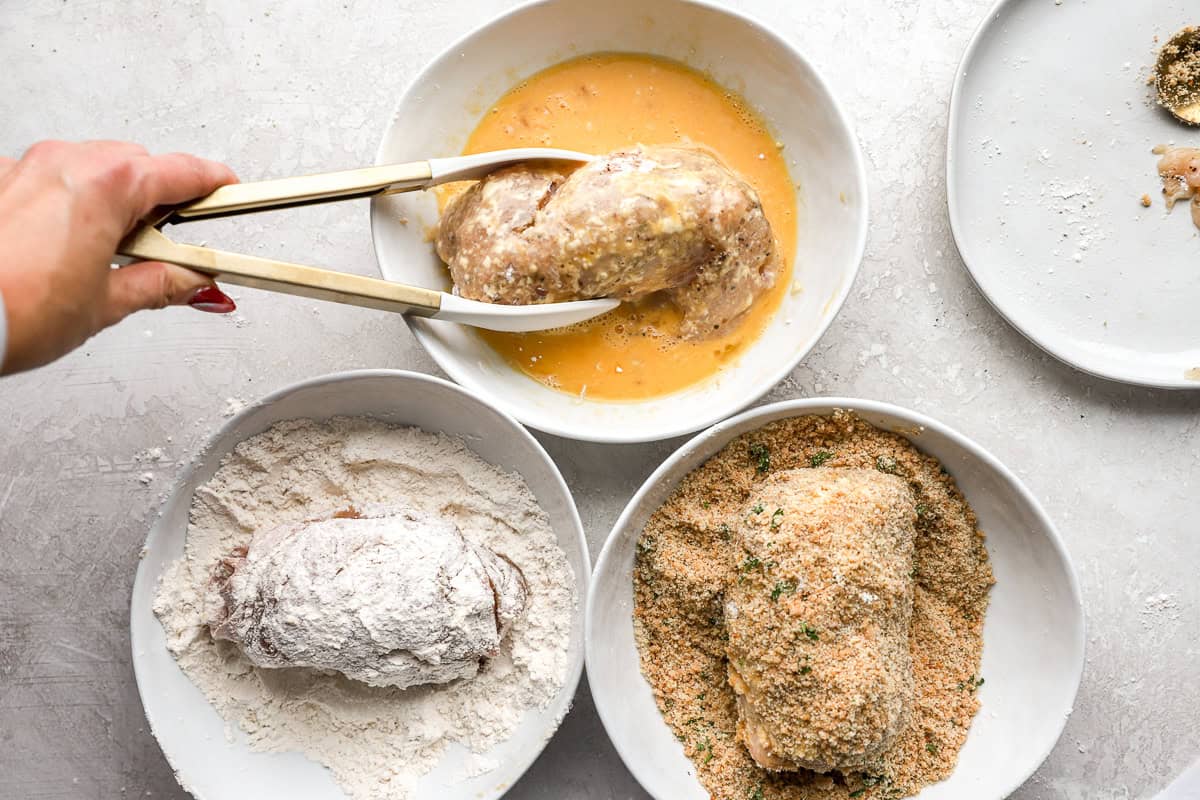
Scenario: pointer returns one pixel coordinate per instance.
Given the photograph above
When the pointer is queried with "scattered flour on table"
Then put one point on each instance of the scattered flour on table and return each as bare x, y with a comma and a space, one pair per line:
1159, 607
377, 741
233, 406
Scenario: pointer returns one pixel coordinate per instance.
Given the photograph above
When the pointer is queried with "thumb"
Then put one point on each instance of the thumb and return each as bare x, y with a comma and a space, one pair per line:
153, 284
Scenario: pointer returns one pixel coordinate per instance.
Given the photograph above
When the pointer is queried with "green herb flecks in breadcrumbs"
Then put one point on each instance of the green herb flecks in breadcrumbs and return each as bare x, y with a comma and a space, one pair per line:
760, 457
782, 588
818, 458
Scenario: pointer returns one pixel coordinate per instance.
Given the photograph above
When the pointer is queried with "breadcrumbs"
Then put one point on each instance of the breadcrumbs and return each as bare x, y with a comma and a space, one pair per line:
691, 553
1177, 75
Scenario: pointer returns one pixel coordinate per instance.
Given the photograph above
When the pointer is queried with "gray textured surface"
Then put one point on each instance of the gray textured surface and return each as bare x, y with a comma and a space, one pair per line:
284, 88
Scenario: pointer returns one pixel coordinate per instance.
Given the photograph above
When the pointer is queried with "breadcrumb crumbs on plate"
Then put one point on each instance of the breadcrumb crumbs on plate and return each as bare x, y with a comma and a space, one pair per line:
686, 558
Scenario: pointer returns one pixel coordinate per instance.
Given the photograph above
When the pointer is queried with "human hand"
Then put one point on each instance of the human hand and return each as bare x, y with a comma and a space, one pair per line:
64, 207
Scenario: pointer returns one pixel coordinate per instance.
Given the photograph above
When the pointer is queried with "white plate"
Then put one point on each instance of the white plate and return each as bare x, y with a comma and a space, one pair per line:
1033, 635
1048, 155
190, 731
443, 105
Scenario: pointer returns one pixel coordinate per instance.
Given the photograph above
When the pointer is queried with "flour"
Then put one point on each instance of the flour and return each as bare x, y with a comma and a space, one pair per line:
388, 598
1158, 608
1075, 203
233, 406
376, 741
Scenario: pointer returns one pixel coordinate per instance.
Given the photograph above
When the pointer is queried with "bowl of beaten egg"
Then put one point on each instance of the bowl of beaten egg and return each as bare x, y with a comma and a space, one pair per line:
603, 77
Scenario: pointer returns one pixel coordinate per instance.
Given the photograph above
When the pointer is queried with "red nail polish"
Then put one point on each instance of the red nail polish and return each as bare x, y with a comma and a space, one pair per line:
212, 300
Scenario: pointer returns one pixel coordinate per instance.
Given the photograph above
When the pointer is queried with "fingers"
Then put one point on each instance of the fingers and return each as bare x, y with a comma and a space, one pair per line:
153, 284
94, 159
176, 177
124, 178
212, 300
113, 147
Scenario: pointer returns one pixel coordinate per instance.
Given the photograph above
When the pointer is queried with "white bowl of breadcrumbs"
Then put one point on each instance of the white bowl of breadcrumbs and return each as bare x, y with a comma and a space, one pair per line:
996, 636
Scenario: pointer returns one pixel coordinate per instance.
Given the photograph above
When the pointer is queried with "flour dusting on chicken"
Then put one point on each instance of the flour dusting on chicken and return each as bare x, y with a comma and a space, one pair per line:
389, 599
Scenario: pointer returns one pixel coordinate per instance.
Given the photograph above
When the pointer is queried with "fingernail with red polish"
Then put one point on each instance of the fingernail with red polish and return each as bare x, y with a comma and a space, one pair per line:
212, 300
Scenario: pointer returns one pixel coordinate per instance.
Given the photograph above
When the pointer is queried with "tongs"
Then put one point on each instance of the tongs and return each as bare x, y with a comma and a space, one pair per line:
147, 242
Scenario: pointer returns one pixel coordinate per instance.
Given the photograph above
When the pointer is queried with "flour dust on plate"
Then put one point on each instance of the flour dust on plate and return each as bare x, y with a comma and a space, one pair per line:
317, 623
609, 102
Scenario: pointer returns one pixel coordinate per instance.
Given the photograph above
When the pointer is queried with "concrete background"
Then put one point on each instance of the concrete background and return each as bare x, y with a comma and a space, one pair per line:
282, 88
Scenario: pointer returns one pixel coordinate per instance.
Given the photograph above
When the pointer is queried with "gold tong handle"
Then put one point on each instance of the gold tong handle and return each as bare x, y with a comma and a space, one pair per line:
239, 198
147, 243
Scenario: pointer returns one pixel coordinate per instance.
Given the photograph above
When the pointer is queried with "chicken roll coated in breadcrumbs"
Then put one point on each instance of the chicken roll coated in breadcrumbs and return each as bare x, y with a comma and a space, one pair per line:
818, 618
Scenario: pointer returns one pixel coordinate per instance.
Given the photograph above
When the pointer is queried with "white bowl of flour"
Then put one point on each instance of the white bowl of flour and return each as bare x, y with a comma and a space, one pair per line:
231, 730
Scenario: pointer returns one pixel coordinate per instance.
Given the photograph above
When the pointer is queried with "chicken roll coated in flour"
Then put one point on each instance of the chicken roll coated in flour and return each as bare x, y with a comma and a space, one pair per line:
388, 599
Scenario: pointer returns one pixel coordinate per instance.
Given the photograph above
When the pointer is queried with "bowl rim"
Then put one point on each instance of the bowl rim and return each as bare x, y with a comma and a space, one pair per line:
570, 686
818, 405
546, 422
1047, 344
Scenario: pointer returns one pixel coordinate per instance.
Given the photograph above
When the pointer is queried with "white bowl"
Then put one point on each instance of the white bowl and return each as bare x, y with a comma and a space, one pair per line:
190, 731
1033, 635
444, 103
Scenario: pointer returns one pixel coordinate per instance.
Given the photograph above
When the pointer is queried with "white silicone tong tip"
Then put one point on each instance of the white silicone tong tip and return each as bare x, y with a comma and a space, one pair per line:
520, 319
476, 166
